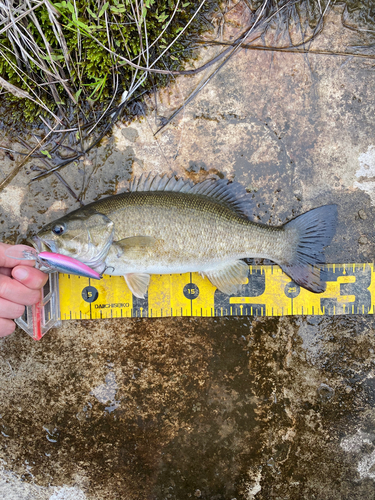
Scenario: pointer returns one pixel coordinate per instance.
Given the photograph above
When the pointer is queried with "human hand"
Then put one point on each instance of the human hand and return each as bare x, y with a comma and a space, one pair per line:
20, 286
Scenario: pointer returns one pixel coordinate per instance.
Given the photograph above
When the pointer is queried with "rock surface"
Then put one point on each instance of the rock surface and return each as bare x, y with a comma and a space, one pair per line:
225, 408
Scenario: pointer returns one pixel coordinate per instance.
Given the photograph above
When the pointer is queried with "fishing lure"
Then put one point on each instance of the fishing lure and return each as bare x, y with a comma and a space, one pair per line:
41, 317
50, 262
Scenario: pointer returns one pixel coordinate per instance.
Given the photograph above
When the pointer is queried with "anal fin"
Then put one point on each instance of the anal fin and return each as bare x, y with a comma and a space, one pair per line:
228, 278
138, 283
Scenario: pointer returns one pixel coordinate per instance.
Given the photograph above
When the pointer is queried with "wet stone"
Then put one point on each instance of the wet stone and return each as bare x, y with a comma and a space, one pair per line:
130, 133
362, 215
363, 240
325, 392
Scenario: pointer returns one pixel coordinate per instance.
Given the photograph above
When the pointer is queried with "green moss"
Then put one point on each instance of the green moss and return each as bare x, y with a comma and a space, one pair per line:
88, 26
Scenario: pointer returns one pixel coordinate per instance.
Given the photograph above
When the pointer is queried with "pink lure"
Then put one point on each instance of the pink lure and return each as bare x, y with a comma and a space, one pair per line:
52, 262
67, 265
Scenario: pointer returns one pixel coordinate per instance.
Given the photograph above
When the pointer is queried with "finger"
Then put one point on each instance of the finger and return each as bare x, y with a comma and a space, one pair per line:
15, 291
10, 310
8, 261
30, 277
6, 327
6, 271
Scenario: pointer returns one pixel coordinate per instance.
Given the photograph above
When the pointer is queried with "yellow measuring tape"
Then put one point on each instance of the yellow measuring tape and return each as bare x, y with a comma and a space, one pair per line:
269, 292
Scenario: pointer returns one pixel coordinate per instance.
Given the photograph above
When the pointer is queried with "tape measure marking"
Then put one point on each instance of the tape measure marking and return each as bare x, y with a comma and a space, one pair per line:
268, 292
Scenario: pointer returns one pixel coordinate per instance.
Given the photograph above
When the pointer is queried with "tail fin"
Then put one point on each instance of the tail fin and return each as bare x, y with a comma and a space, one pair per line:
315, 230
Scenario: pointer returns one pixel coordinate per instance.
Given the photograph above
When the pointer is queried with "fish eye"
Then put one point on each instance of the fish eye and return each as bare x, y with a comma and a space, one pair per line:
59, 229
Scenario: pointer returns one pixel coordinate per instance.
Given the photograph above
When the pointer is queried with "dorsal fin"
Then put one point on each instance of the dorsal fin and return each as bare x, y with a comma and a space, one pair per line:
232, 194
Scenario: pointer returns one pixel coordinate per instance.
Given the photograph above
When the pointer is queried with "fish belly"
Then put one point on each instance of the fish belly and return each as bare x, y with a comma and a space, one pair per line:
120, 268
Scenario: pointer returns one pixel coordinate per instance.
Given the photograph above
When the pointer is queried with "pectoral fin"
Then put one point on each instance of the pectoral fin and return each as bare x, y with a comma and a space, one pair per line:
134, 245
138, 283
230, 277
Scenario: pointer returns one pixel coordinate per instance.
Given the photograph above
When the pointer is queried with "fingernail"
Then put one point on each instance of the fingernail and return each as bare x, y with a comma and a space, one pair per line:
20, 273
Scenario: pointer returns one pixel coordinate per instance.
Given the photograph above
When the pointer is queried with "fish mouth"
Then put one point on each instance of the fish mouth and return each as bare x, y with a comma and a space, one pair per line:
41, 245
35, 242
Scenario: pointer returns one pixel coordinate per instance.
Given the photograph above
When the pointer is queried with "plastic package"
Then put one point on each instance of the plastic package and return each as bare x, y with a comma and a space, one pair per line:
38, 319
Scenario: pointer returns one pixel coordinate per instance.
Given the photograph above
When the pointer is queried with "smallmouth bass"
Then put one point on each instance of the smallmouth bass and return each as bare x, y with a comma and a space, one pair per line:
165, 226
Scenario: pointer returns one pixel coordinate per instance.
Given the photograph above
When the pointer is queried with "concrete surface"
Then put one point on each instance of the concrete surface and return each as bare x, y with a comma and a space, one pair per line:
230, 408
